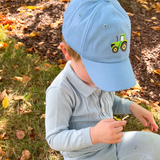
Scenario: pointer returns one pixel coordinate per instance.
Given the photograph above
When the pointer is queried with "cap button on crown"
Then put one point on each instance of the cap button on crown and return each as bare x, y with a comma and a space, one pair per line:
105, 26
79, 15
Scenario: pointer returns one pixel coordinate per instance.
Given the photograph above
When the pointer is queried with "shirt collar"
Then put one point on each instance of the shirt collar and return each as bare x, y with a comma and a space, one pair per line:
81, 86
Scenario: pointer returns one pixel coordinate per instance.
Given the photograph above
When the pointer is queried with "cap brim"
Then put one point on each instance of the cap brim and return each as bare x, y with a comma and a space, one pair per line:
111, 76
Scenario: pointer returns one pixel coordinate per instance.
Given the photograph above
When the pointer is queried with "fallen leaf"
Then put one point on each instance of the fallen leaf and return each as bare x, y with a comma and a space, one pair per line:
146, 130
137, 86
130, 14
30, 128
154, 18
31, 7
2, 95
137, 57
146, 7
48, 65
17, 98
53, 25
136, 33
37, 61
29, 14
117, 119
18, 78
16, 46
156, 28
5, 102
20, 134
138, 101
2, 152
34, 34
157, 71
41, 43
61, 66
25, 155
26, 79
37, 68
151, 80
28, 103
15, 66
148, 20
43, 116
20, 43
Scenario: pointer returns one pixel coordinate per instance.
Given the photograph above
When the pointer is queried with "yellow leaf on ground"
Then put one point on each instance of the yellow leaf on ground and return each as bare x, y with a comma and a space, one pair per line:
26, 79
31, 7
5, 102
6, 26
137, 86
20, 134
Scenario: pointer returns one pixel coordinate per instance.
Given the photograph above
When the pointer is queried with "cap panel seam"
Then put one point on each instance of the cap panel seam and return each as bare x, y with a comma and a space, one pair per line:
91, 21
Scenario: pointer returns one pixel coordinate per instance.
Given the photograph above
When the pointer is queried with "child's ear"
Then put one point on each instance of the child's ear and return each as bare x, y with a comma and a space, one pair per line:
64, 50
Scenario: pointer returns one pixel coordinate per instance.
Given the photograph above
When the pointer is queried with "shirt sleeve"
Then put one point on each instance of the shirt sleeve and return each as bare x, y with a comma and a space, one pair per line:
57, 115
121, 105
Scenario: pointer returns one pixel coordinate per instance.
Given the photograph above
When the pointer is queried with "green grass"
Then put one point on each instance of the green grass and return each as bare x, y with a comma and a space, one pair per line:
12, 119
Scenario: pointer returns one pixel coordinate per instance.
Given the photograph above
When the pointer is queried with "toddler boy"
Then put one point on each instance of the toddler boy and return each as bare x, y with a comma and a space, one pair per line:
81, 101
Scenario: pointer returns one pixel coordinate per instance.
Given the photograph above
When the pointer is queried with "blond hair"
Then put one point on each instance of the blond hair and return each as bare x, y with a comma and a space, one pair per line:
72, 53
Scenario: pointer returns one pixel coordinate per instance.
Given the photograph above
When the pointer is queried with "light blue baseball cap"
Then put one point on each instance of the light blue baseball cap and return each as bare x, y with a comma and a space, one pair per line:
100, 31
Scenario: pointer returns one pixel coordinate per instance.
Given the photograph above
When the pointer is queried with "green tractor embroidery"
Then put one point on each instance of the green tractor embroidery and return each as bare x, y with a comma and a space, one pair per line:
122, 44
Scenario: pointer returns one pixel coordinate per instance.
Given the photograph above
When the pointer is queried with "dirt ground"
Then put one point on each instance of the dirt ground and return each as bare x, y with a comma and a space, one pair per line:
145, 41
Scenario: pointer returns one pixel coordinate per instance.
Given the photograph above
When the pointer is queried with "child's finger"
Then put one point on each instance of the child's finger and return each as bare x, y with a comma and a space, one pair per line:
144, 122
119, 123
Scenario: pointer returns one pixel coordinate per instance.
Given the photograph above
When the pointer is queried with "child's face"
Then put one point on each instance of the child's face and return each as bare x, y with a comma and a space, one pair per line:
81, 72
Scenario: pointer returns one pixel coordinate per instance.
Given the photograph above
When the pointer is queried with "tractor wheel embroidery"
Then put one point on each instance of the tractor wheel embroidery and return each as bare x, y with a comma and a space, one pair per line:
122, 44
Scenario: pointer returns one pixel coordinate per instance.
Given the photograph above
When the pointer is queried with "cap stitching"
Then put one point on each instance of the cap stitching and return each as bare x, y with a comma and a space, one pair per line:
89, 24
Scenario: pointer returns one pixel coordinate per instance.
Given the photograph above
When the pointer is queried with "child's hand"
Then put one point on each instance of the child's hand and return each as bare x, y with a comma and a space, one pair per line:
144, 116
107, 131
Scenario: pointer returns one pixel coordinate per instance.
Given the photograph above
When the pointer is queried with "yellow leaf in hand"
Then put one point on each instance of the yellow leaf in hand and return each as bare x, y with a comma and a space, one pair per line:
5, 102
117, 119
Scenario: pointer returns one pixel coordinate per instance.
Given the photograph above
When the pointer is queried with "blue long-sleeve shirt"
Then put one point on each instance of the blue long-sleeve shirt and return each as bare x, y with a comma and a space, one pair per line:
73, 107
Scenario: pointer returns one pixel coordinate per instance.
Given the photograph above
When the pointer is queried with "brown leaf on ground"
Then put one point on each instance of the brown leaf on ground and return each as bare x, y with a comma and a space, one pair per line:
156, 28
26, 79
146, 130
20, 134
2, 95
25, 155
2, 152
